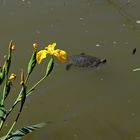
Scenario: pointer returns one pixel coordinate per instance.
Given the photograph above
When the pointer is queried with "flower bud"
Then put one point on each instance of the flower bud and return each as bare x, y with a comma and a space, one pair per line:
35, 45
13, 47
22, 77
12, 76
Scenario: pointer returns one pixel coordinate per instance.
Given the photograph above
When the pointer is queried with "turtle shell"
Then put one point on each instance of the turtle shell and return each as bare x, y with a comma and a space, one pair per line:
83, 60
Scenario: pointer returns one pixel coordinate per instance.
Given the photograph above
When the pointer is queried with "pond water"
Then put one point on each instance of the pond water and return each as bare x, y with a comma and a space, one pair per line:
84, 103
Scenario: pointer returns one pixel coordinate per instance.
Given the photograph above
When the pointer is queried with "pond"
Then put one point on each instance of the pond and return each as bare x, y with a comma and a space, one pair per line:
83, 103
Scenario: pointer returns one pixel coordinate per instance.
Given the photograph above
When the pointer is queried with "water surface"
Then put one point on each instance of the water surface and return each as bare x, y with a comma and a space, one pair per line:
92, 104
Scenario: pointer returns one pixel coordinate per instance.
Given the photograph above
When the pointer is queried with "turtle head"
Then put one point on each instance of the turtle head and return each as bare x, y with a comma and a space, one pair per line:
103, 60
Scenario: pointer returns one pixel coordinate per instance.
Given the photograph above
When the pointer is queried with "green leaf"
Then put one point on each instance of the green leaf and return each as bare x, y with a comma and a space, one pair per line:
2, 112
23, 96
18, 134
32, 62
6, 89
50, 66
2, 73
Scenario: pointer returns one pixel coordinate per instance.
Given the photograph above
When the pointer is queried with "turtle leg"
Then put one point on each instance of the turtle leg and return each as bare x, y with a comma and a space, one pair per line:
68, 66
98, 62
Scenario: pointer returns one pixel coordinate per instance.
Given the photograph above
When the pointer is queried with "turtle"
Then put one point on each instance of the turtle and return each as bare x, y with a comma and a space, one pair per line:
84, 60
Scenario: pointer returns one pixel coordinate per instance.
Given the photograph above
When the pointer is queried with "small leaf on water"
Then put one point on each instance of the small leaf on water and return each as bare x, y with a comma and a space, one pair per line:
18, 134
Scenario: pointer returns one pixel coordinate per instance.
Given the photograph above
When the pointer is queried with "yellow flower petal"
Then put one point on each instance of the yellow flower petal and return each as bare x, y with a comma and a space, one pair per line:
61, 55
41, 55
56, 52
50, 48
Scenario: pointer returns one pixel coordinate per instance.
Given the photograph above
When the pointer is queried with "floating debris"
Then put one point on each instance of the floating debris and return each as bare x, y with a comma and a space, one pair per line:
28, 2
81, 18
138, 21
98, 45
101, 79
136, 69
114, 42
134, 51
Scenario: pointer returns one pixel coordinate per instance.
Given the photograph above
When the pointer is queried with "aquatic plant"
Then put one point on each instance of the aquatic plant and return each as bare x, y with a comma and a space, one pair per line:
6, 81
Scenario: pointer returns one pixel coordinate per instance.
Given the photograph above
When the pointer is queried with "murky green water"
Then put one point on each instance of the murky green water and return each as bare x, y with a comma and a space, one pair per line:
92, 104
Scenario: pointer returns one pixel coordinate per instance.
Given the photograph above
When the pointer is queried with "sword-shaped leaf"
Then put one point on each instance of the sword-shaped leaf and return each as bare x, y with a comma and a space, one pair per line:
50, 66
2, 113
18, 134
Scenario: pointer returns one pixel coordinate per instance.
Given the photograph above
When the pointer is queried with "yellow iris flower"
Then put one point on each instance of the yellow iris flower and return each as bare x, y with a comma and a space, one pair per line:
50, 49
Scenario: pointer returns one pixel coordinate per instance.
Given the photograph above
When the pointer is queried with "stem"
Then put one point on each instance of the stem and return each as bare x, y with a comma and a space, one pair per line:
2, 123
2, 103
10, 130
27, 77
7, 114
33, 87
18, 100
14, 123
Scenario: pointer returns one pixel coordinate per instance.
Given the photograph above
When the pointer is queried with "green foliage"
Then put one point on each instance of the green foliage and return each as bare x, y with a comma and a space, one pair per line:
2, 73
2, 113
18, 134
6, 89
50, 66
32, 62
6, 81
